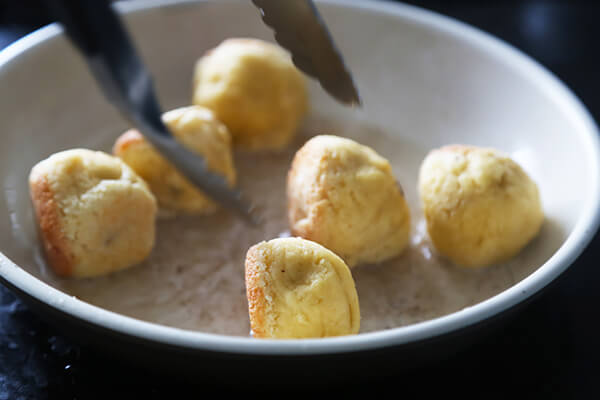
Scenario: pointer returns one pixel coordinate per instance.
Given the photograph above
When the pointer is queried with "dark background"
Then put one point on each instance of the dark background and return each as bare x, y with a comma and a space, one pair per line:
548, 349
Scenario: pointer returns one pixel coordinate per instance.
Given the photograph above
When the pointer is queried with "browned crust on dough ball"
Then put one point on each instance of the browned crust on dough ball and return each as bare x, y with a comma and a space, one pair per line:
255, 294
295, 208
56, 245
127, 139
294, 211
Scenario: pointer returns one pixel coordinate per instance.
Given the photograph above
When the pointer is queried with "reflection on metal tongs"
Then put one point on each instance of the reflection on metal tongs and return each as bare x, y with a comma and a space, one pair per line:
299, 28
96, 30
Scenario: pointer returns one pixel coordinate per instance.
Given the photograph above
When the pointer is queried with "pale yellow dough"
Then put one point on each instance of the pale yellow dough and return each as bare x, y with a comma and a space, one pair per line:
344, 196
299, 289
95, 214
196, 128
254, 88
480, 206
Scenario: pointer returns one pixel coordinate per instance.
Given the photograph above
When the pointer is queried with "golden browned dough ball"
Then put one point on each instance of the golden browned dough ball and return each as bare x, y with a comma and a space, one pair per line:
480, 206
343, 195
197, 129
255, 89
299, 289
95, 214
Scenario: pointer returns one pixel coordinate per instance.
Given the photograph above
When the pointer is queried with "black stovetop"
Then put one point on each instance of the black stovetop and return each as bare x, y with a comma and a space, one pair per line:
550, 348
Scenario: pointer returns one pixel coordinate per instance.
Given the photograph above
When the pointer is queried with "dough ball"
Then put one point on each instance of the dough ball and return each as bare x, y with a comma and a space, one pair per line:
298, 289
253, 87
480, 206
343, 195
95, 214
197, 129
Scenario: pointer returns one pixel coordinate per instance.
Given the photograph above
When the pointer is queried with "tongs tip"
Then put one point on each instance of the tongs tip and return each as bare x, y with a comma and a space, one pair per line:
247, 211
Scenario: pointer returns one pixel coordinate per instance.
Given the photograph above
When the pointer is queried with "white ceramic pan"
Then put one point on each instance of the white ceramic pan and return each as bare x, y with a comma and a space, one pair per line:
424, 78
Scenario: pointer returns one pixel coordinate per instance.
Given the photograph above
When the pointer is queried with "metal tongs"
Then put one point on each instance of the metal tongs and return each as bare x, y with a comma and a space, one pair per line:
96, 30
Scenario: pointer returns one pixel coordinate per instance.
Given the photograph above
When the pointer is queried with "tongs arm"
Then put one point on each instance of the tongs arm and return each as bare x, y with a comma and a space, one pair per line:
96, 30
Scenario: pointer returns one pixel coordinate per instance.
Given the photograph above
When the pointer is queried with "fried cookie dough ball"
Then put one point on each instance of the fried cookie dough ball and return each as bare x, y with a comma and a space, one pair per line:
480, 206
253, 87
299, 289
95, 214
197, 129
343, 195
